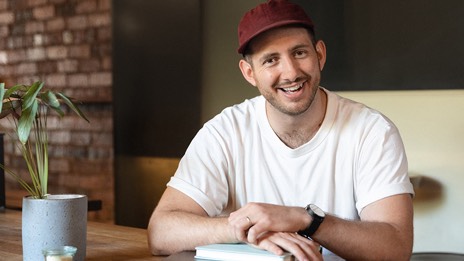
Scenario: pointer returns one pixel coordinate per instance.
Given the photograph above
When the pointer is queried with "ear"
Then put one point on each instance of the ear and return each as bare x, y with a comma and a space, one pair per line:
321, 53
247, 71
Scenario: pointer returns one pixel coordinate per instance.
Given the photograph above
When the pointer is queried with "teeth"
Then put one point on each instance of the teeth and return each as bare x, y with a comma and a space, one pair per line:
292, 89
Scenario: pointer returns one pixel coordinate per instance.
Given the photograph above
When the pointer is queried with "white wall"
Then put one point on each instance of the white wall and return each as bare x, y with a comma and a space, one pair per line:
431, 124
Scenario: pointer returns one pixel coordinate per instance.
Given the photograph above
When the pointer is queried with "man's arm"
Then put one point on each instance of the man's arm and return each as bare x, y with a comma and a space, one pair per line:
385, 231
179, 223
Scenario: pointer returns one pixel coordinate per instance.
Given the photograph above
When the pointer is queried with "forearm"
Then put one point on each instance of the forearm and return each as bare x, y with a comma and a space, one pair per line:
356, 240
174, 231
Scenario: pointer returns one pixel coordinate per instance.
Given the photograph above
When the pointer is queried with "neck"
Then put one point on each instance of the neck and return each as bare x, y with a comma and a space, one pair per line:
296, 131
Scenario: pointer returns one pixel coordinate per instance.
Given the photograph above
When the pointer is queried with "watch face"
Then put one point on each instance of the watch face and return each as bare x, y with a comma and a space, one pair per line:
317, 210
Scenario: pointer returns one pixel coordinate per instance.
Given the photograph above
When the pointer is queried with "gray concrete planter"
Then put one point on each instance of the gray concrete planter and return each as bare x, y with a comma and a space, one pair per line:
59, 220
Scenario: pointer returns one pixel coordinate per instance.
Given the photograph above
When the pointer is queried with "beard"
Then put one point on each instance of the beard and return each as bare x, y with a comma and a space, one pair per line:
297, 107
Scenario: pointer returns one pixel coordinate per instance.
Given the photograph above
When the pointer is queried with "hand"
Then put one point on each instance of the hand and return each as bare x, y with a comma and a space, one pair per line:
253, 219
302, 248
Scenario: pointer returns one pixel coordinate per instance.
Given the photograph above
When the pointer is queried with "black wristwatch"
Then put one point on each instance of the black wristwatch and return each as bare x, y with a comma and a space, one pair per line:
317, 215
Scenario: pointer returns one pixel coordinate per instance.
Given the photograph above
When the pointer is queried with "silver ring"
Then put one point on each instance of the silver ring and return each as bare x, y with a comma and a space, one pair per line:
249, 220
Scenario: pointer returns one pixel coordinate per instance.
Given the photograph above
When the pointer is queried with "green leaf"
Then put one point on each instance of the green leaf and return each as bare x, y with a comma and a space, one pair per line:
2, 93
50, 99
8, 107
31, 94
14, 89
71, 105
26, 120
23, 183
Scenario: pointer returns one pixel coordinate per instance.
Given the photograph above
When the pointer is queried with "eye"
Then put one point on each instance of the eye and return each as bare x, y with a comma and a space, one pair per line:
270, 61
300, 53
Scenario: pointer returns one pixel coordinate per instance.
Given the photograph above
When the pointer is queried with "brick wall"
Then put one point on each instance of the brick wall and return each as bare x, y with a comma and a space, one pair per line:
66, 44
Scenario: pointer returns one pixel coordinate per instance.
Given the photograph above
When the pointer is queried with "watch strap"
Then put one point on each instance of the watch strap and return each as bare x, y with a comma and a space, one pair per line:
315, 223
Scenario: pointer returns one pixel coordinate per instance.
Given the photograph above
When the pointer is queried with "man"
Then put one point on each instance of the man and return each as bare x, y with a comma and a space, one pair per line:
294, 169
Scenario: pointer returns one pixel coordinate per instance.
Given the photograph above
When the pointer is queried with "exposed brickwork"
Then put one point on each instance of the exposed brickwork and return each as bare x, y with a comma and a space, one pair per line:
66, 44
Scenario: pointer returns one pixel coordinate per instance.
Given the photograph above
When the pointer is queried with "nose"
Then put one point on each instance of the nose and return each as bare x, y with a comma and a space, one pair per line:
290, 69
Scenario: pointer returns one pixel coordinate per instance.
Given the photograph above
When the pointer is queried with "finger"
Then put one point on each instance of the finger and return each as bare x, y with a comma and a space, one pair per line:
301, 248
288, 243
270, 246
255, 231
245, 223
310, 247
237, 217
240, 222
233, 217
241, 228
241, 235
249, 221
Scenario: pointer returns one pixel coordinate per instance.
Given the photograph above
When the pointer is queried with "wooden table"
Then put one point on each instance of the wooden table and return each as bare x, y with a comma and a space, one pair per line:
104, 241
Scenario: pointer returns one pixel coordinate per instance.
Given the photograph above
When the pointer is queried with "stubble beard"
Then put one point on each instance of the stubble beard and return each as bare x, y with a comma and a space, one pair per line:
292, 110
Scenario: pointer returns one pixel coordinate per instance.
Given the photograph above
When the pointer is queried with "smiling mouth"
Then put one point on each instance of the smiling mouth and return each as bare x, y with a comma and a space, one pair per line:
293, 88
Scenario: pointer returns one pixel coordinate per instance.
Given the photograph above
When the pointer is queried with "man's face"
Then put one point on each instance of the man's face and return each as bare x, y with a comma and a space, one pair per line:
286, 68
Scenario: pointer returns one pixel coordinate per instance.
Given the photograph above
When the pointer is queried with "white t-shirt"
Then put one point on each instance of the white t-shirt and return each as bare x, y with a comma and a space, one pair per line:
356, 158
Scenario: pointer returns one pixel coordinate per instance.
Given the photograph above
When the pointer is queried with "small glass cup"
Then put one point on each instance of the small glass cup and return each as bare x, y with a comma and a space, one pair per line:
64, 253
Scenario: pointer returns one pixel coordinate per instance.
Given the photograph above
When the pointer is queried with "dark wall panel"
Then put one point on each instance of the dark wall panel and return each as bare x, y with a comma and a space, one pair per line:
157, 65
391, 45
156, 95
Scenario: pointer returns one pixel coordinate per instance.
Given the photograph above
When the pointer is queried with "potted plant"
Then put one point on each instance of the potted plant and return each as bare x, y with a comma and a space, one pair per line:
48, 220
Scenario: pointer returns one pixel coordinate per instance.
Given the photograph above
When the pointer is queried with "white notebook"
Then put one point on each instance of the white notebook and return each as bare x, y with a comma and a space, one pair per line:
238, 252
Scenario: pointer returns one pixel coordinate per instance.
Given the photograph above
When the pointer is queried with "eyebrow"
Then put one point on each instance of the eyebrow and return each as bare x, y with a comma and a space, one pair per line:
267, 56
298, 46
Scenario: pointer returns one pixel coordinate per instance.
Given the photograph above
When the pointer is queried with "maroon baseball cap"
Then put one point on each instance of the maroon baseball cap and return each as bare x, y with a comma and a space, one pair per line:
272, 14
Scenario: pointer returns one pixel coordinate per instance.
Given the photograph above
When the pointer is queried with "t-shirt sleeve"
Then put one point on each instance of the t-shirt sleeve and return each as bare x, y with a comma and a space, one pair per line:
201, 173
382, 167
